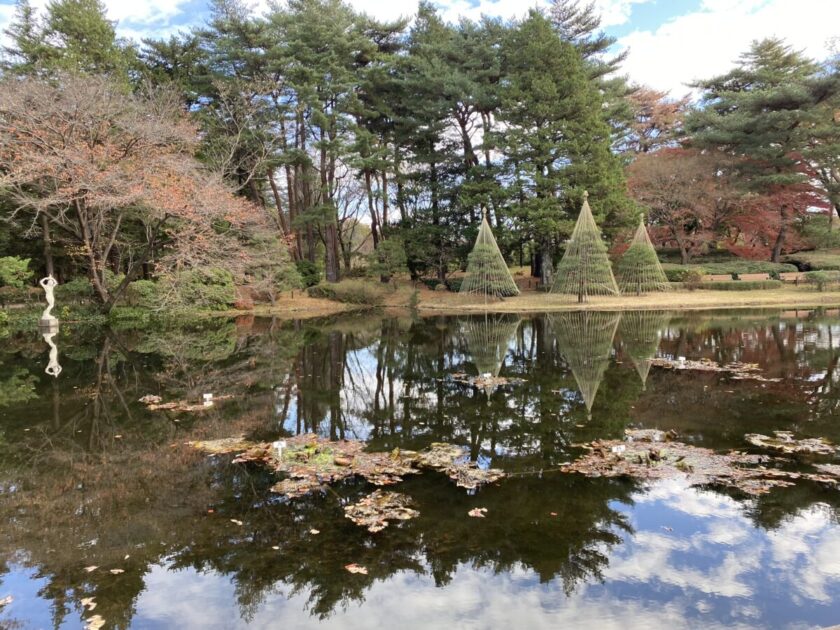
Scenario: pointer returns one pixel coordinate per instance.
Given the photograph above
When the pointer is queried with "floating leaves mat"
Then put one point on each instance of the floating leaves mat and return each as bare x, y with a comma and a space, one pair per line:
651, 455
310, 462
376, 510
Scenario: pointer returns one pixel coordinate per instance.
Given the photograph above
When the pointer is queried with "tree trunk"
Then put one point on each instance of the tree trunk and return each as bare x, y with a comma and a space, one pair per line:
48, 258
546, 266
780, 239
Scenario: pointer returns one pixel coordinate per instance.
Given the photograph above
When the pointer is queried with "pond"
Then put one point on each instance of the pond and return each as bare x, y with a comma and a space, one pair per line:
109, 518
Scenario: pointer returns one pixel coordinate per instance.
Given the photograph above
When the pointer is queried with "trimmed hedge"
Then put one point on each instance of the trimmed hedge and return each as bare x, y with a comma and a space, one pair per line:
816, 261
676, 273
741, 285
350, 292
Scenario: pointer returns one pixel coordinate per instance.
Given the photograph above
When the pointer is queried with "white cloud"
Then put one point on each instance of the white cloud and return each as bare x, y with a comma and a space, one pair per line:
707, 42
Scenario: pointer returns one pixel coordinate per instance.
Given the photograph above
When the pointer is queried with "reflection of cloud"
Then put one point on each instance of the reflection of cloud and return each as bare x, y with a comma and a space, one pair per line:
678, 494
809, 546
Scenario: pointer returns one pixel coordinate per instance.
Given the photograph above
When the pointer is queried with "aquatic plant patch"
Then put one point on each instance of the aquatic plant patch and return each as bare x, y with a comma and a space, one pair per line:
375, 511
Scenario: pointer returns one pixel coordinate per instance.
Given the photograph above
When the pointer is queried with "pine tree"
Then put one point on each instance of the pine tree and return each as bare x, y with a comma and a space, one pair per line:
639, 270
487, 271
640, 335
585, 268
760, 112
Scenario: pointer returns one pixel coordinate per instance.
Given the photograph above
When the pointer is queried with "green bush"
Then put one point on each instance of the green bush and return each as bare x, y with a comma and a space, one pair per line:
454, 284
78, 289
693, 279
211, 288
822, 278
350, 292
741, 285
816, 231
431, 283
143, 293
309, 274
678, 273
14, 271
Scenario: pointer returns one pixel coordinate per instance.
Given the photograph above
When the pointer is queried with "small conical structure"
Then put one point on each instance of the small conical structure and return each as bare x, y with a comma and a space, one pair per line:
585, 339
640, 333
639, 270
487, 271
585, 268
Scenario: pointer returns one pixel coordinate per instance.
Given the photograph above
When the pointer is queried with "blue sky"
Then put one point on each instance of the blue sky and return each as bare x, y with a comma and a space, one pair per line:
671, 42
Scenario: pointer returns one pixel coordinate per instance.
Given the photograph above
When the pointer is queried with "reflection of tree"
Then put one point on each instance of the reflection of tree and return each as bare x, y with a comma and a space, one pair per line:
585, 340
639, 332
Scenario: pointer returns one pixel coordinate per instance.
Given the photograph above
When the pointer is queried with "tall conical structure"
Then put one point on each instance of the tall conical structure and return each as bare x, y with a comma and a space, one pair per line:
585, 338
640, 334
487, 271
639, 270
487, 338
585, 268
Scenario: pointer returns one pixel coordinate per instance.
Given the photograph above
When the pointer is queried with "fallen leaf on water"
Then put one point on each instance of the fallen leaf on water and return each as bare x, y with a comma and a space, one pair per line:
667, 529
117, 571
477, 512
314, 531
553, 513
378, 509
126, 557
6, 601
91, 568
94, 623
88, 603
235, 522
275, 547
355, 568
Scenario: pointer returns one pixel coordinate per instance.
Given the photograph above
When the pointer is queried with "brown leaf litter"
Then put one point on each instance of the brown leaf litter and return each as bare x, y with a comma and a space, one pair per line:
310, 462
484, 381
376, 510
651, 455
783, 442
738, 371
155, 403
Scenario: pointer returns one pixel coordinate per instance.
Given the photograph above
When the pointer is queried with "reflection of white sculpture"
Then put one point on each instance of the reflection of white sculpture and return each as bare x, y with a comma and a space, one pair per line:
53, 368
49, 283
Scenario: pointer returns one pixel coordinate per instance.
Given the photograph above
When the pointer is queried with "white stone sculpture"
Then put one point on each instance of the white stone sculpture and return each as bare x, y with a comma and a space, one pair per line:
47, 319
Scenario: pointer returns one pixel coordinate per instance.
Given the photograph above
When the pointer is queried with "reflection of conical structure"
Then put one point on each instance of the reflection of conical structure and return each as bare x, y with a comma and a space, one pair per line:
639, 331
585, 340
488, 337
585, 267
639, 270
487, 271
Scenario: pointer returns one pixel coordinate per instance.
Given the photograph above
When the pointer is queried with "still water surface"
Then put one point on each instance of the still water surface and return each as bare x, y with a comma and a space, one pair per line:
91, 478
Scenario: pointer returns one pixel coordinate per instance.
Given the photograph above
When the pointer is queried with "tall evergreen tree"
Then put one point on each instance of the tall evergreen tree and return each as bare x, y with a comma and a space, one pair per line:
760, 112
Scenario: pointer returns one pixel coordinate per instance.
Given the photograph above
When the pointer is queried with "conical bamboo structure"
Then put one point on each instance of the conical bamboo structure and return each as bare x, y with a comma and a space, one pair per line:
585, 268
585, 339
640, 332
487, 271
639, 270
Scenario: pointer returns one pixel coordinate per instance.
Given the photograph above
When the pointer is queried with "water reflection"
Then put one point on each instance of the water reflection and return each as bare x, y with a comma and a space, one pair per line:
89, 477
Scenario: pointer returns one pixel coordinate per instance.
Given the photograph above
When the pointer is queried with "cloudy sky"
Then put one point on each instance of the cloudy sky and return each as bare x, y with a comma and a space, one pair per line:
671, 42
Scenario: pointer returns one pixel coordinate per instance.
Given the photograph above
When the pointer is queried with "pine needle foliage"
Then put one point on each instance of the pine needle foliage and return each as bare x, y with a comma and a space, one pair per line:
487, 271
585, 268
639, 270
640, 332
488, 338
585, 338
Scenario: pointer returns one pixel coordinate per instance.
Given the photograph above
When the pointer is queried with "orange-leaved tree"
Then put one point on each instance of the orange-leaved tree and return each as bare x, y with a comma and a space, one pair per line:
116, 177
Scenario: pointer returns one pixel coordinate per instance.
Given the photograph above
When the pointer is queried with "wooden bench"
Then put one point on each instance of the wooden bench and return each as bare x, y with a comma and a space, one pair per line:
753, 277
722, 277
792, 276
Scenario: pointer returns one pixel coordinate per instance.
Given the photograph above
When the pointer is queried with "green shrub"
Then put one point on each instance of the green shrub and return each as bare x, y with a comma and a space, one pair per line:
309, 274
350, 292
211, 288
78, 289
454, 284
14, 271
693, 279
816, 231
678, 273
822, 278
741, 285
144, 293
431, 283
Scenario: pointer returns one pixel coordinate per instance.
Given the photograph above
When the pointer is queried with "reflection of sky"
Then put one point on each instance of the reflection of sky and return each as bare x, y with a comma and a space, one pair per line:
695, 560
